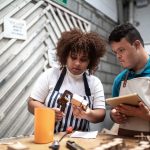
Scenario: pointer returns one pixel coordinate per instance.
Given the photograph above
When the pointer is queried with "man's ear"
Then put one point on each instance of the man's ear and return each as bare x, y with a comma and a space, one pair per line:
137, 44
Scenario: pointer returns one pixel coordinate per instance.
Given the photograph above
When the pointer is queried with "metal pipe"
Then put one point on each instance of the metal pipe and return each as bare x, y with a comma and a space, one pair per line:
131, 10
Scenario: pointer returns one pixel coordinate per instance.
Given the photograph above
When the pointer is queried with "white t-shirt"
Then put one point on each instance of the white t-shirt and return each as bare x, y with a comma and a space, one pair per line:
45, 85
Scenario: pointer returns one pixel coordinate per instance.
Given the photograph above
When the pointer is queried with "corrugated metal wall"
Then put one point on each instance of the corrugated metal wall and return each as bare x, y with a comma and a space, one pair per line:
22, 61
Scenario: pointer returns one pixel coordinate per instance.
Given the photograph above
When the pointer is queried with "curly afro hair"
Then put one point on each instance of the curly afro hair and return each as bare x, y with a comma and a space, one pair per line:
77, 41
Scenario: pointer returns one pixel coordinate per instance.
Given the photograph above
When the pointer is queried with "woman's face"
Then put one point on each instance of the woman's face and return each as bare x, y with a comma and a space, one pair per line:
77, 63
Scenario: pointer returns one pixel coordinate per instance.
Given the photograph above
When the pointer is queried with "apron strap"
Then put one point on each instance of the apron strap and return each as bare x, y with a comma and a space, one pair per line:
60, 80
125, 80
86, 85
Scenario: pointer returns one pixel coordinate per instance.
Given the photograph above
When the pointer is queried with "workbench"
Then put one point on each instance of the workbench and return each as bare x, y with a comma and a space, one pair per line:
85, 143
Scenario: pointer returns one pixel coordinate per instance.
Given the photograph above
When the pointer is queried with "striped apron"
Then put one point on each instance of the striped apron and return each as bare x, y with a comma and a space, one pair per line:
69, 119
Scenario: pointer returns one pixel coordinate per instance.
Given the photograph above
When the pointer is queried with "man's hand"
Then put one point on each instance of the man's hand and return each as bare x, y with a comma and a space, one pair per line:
118, 117
142, 111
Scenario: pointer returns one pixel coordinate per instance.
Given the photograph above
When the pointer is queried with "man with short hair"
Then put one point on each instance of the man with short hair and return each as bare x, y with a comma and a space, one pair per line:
128, 46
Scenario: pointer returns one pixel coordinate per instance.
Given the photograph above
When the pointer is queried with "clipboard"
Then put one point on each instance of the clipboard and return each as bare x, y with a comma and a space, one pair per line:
130, 99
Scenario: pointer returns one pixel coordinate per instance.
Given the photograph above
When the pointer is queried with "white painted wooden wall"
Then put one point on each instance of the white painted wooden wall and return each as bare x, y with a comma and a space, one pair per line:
22, 61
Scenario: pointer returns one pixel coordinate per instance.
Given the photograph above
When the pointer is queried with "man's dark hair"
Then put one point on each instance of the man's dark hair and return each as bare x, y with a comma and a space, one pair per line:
127, 31
77, 41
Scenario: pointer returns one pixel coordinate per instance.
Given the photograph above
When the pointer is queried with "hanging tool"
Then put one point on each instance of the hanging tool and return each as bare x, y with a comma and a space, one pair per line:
62, 101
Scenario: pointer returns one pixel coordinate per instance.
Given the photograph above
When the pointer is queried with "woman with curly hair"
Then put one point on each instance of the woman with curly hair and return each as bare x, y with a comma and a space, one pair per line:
79, 54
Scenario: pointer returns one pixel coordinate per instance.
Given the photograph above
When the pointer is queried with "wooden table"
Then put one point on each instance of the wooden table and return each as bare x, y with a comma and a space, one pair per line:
85, 143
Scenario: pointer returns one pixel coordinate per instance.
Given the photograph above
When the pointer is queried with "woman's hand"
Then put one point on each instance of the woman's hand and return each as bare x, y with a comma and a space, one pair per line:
58, 114
94, 116
79, 113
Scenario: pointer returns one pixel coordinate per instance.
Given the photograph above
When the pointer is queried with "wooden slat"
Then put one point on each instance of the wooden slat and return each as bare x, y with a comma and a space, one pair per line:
51, 34
22, 72
68, 20
5, 90
62, 19
15, 10
18, 112
53, 24
74, 22
15, 52
36, 6
55, 17
5, 3
67, 11
87, 26
80, 25
12, 41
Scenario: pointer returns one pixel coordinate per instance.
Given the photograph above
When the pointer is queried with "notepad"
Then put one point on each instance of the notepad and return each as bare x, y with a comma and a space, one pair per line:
86, 135
130, 99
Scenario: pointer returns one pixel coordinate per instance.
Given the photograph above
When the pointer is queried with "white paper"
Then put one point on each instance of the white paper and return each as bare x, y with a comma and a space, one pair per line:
87, 135
15, 28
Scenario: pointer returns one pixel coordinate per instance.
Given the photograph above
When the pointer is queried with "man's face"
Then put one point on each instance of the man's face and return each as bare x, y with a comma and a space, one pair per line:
126, 53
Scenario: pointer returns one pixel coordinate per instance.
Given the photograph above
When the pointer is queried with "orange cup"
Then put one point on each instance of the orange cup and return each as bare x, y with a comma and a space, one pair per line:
44, 125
